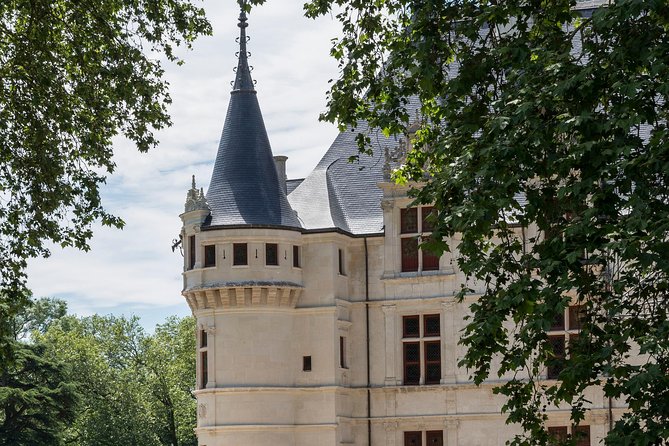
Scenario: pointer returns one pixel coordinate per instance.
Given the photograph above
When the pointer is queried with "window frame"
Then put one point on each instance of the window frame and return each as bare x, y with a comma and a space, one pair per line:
306, 363
413, 258
275, 247
562, 329
237, 261
191, 252
209, 255
297, 256
423, 339
563, 433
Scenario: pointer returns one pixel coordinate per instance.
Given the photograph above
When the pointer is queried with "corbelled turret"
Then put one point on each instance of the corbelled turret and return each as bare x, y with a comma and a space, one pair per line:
245, 188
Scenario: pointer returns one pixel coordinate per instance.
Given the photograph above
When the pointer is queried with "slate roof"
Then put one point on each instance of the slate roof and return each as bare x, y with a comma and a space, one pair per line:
343, 195
244, 187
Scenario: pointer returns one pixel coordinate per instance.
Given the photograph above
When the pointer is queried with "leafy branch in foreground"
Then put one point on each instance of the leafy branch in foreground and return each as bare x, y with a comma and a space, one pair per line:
542, 141
74, 74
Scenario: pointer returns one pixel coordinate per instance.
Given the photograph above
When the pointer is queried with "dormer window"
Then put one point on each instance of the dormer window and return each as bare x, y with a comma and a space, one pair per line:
414, 225
240, 254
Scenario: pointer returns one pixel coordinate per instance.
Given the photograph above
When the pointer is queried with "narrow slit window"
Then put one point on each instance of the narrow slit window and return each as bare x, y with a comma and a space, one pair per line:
296, 256
306, 363
203, 338
204, 367
342, 352
191, 252
341, 261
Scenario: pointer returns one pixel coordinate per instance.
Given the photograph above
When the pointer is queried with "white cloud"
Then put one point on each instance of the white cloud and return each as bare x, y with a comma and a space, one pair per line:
134, 270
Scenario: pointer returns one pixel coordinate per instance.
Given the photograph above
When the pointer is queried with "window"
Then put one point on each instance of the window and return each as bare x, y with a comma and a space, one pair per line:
209, 256
432, 438
204, 370
563, 331
203, 338
561, 433
415, 223
341, 262
421, 355
296, 256
191, 252
342, 352
306, 363
271, 254
240, 255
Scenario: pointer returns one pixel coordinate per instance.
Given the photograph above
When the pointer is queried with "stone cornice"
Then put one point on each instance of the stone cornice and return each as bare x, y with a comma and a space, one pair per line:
244, 296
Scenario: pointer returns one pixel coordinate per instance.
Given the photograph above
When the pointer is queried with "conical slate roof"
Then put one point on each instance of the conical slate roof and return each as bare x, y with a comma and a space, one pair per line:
244, 187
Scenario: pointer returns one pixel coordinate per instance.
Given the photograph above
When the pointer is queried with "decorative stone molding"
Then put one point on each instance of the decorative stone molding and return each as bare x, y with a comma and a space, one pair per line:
252, 296
195, 199
387, 205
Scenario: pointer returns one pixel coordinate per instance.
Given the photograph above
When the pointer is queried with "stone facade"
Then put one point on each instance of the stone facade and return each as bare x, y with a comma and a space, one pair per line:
312, 329
261, 321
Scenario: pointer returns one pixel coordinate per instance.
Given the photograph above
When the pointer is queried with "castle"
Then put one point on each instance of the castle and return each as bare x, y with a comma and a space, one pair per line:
320, 319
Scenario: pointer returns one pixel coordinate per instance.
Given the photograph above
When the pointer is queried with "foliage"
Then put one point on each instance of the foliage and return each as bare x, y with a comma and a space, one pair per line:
36, 400
529, 101
38, 316
74, 74
136, 389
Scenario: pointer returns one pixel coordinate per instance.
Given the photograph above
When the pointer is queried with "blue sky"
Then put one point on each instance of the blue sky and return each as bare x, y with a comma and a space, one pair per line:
134, 271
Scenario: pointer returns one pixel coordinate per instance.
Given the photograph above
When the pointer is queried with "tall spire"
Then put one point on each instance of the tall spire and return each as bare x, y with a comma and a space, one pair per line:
243, 79
245, 188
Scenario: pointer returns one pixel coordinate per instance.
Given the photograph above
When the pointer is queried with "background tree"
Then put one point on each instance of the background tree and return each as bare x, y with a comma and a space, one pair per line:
529, 101
136, 388
74, 74
37, 401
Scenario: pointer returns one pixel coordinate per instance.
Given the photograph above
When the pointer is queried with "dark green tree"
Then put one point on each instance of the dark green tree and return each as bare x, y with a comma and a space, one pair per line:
532, 102
37, 402
74, 74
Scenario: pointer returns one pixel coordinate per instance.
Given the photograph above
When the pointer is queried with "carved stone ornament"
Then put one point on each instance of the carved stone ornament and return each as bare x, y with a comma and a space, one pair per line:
195, 199
202, 411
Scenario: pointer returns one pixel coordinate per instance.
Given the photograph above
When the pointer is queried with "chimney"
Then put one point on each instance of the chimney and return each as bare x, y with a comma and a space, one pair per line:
280, 163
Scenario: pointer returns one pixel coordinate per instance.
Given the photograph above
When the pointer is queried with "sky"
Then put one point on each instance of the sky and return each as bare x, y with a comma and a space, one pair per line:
134, 271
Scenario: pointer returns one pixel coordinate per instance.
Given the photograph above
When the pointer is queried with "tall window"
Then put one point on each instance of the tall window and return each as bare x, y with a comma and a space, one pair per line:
421, 349
191, 252
240, 255
271, 254
340, 254
204, 366
204, 370
562, 433
342, 352
296, 256
209, 256
565, 329
415, 224
432, 438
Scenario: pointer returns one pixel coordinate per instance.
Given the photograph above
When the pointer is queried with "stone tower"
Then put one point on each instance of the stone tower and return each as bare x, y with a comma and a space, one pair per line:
243, 279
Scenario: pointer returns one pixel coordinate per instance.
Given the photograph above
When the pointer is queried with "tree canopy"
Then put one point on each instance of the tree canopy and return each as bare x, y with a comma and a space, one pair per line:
98, 380
73, 75
535, 118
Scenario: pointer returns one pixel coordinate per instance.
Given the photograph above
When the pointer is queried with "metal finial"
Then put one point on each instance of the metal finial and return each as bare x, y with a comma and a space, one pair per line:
243, 80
